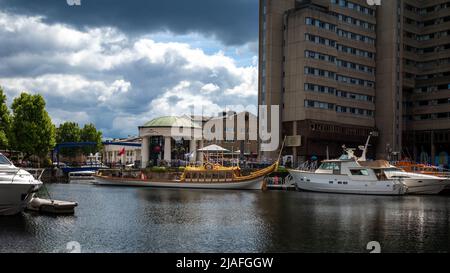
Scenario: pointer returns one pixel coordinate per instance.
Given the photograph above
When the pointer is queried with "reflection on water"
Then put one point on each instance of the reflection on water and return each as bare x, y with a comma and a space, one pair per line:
111, 219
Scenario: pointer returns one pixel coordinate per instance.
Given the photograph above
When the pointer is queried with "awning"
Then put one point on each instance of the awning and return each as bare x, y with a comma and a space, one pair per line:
212, 148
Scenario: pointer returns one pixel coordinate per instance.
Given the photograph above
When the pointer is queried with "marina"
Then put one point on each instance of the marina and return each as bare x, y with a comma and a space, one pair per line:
259, 126
216, 208
124, 219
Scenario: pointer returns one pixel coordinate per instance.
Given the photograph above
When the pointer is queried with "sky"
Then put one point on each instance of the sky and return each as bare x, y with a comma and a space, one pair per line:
119, 64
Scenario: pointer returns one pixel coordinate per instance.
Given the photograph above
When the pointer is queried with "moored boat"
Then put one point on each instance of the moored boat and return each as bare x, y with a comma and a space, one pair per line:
350, 174
207, 176
82, 177
417, 183
16, 187
412, 167
346, 176
424, 169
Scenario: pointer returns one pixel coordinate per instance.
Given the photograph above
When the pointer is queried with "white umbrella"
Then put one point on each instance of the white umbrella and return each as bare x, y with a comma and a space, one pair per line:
212, 148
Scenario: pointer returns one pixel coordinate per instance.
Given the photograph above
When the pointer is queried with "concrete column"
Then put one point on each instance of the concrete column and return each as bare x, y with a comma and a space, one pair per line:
167, 148
145, 151
193, 147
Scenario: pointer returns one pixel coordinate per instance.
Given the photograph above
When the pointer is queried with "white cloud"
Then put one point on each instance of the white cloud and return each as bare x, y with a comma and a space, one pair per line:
210, 88
60, 116
68, 86
183, 99
103, 76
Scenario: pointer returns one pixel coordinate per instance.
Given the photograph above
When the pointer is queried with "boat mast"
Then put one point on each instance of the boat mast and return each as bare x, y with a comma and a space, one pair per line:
364, 154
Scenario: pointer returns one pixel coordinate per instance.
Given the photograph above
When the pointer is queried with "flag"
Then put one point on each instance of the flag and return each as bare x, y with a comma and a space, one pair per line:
121, 152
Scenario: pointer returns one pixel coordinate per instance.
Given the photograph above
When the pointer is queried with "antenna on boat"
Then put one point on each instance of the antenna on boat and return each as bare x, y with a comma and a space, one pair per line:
365, 147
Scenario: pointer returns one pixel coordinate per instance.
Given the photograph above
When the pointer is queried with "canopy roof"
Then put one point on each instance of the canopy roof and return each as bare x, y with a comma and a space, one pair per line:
377, 164
213, 148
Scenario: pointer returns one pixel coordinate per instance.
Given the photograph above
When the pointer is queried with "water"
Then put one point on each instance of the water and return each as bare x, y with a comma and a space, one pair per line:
111, 219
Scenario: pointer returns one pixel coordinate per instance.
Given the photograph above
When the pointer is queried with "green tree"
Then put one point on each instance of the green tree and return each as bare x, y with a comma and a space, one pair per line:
5, 121
32, 130
90, 134
68, 132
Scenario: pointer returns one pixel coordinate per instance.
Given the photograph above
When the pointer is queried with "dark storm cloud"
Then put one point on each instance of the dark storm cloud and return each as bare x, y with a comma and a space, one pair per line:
233, 22
116, 80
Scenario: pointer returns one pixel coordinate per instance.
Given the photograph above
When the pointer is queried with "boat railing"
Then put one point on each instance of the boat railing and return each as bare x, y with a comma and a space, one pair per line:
288, 180
308, 166
424, 168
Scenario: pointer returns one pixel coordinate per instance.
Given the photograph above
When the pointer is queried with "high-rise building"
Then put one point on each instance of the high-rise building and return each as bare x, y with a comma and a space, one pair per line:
340, 69
426, 83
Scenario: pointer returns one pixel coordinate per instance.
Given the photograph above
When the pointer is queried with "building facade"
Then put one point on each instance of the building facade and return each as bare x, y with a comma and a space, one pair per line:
126, 151
171, 139
426, 83
340, 69
239, 134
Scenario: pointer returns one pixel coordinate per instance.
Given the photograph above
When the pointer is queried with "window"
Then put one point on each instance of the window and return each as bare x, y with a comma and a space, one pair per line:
4, 160
356, 37
319, 105
354, 6
354, 21
350, 80
360, 172
320, 40
320, 24
330, 166
319, 56
357, 52
319, 72
319, 88
354, 111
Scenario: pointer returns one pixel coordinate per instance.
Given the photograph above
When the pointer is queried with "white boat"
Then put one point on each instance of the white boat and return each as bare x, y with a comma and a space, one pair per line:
82, 177
346, 175
418, 183
16, 187
350, 174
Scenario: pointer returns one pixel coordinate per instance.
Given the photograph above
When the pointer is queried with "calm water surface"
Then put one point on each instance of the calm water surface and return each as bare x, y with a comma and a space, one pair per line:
111, 219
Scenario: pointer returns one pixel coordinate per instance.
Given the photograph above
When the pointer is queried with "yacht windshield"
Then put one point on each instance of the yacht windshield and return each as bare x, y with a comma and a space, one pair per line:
4, 160
330, 166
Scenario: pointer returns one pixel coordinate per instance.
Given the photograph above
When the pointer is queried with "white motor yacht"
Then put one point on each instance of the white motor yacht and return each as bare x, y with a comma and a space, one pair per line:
16, 187
350, 174
346, 175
